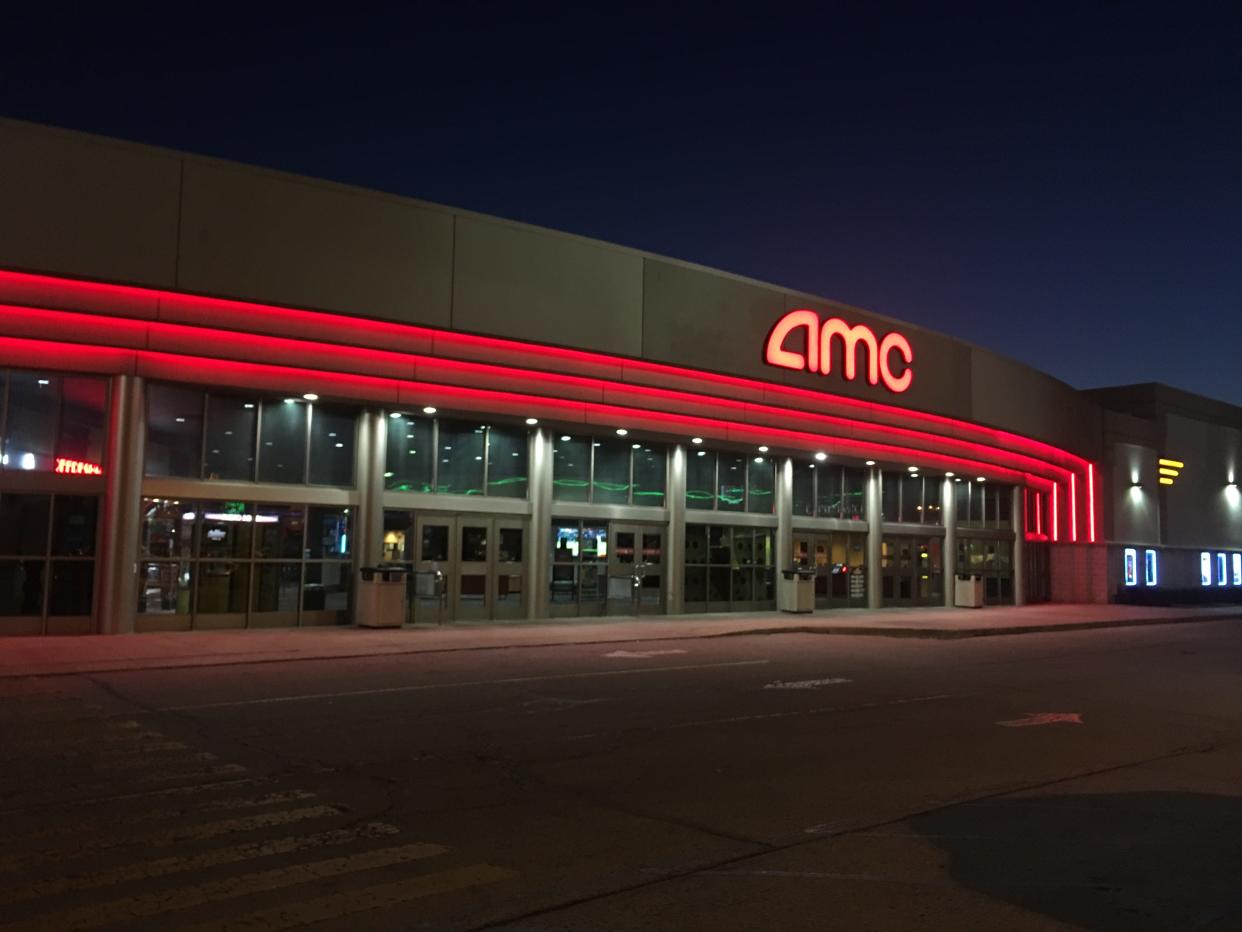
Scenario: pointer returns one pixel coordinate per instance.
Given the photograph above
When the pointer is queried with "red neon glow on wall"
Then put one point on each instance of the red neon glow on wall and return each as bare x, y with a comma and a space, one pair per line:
70, 467
1091, 503
1073, 509
1055, 535
819, 344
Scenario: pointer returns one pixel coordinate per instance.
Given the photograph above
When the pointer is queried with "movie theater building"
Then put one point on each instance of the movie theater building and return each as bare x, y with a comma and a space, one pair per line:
224, 391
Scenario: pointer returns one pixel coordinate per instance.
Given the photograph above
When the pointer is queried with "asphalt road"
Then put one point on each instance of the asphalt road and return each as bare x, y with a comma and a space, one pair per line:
1075, 780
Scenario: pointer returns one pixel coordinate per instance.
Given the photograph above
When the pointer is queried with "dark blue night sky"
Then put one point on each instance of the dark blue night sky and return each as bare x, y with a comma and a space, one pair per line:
1060, 183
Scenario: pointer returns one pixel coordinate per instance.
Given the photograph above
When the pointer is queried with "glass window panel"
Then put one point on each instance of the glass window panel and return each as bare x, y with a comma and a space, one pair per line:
853, 493
435, 543
21, 587
164, 588
718, 584
73, 525
327, 533
732, 483
911, 499
890, 496
167, 528
30, 430
509, 546
761, 477
506, 462
225, 529
932, 490
409, 455
83, 419
743, 580
763, 548
24, 523
327, 587
72, 587
460, 466
565, 543
623, 546
961, 501
649, 475
564, 584
718, 545
828, 494
1004, 506
279, 530
594, 583
701, 479
282, 441
976, 504
594, 543
612, 472
696, 543
743, 546
571, 469
174, 431
804, 488
473, 544
332, 445
696, 584
229, 450
276, 587
398, 535
653, 548
223, 588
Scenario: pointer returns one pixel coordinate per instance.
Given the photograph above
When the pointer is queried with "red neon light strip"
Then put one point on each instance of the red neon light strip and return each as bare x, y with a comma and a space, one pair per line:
1039, 513
154, 302
1073, 509
251, 347
1055, 535
1091, 503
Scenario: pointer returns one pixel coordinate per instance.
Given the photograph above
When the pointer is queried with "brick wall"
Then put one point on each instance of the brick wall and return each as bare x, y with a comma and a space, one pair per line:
1079, 573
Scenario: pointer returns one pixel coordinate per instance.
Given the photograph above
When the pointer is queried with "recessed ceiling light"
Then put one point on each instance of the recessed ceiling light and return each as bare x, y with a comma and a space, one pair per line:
291, 401
532, 421
821, 456
180, 420
635, 446
45, 382
869, 463
980, 479
696, 440
958, 479
758, 459
701, 453
392, 414
311, 396
565, 438
429, 409
339, 445
251, 405
912, 468
621, 431
763, 449
948, 475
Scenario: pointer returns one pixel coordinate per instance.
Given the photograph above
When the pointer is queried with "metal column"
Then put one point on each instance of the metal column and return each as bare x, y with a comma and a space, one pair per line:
675, 537
369, 523
783, 502
875, 531
539, 561
948, 510
117, 596
1018, 520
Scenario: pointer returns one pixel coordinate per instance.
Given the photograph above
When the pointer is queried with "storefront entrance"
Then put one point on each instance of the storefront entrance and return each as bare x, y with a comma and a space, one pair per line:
467, 568
839, 560
594, 565
911, 570
991, 558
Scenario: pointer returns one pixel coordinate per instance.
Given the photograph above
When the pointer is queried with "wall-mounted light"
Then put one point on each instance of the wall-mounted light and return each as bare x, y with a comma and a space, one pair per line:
1232, 495
1136, 491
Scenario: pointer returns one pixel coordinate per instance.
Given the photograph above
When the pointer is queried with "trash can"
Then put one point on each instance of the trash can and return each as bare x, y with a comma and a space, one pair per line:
795, 590
381, 596
968, 590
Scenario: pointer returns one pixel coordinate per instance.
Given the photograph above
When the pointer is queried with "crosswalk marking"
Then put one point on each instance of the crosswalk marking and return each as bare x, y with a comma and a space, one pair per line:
176, 836
162, 867
210, 786
128, 909
378, 896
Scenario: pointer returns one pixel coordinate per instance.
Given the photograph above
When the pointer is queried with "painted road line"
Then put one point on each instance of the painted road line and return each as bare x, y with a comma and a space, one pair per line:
190, 788
822, 710
1043, 718
462, 684
807, 684
128, 909
162, 867
642, 653
378, 896
176, 836
96, 824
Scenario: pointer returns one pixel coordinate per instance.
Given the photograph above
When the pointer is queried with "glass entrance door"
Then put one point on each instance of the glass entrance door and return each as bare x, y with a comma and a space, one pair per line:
637, 550
911, 570
435, 569
839, 560
468, 568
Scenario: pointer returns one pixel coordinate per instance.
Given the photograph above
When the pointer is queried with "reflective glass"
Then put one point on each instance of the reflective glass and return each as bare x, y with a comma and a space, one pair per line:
24, 522
976, 503
509, 545
435, 544
164, 588
282, 441
828, 492
506, 462
853, 493
649, 475
1004, 506
398, 535
327, 587
594, 543
911, 499
409, 456
73, 525
332, 445
696, 543
223, 588
732, 483
890, 496
21, 587
327, 533
961, 501
278, 531
224, 529
761, 476
460, 454
167, 528
72, 587
30, 429
174, 431
83, 419
611, 479
700, 479
571, 469
804, 488
473, 544
718, 544
229, 451
276, 587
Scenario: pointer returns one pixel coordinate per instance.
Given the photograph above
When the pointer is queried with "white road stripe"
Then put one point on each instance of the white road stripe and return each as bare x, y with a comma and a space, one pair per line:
176, 836
128, 909
378, 896
816, 711
162, 867
508, 681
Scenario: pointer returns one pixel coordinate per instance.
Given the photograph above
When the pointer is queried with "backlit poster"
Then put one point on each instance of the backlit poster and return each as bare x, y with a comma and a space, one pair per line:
1131, 560
1149, 560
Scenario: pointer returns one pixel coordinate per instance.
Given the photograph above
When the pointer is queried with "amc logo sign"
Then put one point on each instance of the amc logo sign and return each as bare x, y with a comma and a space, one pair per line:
822, 338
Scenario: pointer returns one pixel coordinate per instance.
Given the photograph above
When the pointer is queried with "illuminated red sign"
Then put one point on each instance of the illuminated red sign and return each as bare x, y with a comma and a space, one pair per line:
819, 347
77, 467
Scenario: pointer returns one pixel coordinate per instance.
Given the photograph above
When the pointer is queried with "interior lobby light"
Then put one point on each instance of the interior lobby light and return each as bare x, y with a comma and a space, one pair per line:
565, 438
948, 475
758, 459
311, 396
980, 479
532, 421
621, 431
821, 456
394, 414
763, 449
429, 409
696, 440
291, 401
912, 468
869, 463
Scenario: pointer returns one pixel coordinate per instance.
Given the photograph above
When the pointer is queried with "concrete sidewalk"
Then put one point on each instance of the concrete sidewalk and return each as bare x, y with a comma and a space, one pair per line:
48, 656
